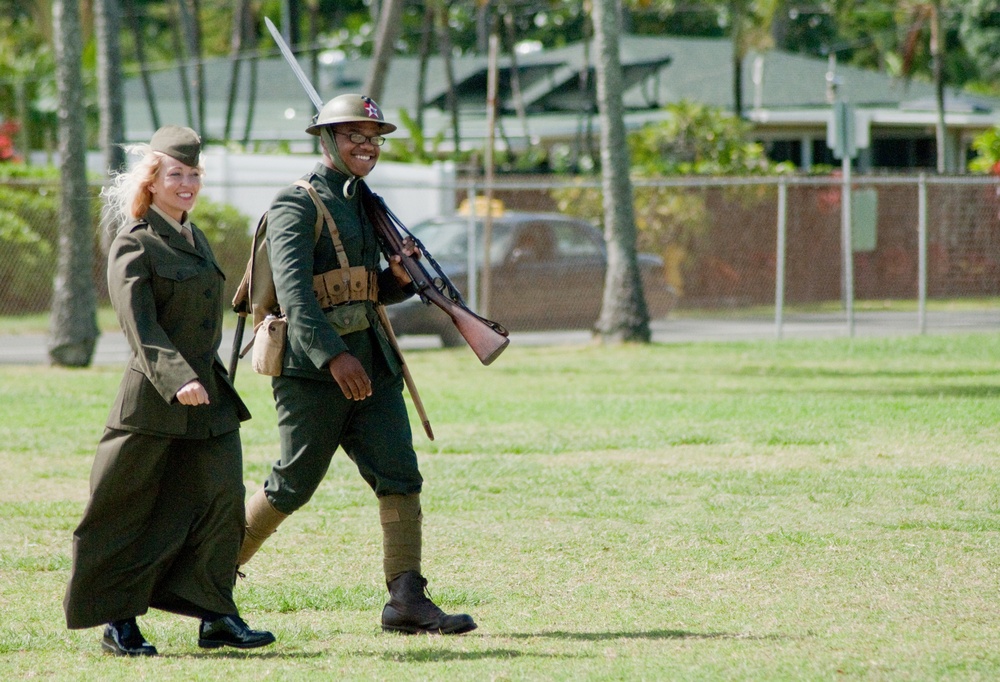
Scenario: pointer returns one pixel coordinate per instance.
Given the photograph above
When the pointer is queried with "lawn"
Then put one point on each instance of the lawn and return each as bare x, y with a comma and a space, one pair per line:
793, 510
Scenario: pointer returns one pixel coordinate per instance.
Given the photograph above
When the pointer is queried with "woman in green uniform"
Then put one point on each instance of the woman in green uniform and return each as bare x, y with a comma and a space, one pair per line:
165, 518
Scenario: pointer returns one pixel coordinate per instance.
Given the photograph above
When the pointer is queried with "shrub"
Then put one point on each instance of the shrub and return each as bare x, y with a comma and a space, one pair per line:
227, 232
29, 238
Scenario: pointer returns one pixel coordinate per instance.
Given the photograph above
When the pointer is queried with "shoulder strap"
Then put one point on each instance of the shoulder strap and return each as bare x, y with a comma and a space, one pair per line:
322, 210
319, 216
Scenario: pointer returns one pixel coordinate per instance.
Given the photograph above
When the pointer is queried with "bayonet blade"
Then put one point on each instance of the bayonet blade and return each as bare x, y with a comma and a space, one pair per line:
286, 52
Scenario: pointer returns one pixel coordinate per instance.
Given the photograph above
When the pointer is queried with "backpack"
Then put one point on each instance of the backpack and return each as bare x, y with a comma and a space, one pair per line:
255, 296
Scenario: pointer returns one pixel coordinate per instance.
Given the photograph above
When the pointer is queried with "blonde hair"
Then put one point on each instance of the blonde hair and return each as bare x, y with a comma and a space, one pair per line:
127, 197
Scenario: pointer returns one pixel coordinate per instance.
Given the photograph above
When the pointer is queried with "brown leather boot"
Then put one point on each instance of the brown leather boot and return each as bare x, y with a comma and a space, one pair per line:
410, 610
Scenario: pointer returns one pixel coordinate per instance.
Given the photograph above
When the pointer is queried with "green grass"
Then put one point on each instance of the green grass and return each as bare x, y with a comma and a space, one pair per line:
796, 510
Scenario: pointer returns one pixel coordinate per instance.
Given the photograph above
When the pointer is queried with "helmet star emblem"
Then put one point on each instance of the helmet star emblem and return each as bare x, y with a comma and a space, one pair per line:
372, 110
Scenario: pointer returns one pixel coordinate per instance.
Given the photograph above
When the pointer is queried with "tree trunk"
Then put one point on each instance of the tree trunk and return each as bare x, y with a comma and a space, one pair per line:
426, 40
182, 59
515, 76
252, 48
444, 47
389, 26
74, 307
624, 316
191, 26
237, 31
107, 26
107, 20
736, 17
937, 57
135, 23
583, 142
314, 49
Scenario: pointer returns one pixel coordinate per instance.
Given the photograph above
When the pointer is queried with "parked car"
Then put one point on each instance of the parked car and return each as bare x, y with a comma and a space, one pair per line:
547, 273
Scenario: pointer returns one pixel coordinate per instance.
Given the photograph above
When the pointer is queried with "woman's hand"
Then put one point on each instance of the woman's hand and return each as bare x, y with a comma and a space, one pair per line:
192, 393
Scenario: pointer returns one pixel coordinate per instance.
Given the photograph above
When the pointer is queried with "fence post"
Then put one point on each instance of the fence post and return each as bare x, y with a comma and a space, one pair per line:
779, 272
847, 244
922, 253
472, 250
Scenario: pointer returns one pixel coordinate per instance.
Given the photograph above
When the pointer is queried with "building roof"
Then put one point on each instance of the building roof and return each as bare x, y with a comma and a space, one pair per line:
778, 88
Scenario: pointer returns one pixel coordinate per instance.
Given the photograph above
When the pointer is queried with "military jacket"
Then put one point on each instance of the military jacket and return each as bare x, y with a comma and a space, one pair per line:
168, 298
296, 257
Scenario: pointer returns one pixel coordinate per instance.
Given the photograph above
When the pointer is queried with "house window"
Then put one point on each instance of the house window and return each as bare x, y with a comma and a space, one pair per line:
780, 151
917, 152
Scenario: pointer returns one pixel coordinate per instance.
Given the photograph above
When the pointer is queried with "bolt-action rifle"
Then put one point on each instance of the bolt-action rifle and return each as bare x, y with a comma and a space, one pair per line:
486, 338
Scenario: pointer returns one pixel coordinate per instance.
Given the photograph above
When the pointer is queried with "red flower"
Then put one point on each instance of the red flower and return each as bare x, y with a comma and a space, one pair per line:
7, 131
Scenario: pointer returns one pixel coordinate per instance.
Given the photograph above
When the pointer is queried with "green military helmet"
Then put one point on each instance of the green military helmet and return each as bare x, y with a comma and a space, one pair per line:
350, 108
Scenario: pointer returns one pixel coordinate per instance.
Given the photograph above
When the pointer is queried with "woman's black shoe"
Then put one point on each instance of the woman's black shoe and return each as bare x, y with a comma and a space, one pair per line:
122, 638
231, 631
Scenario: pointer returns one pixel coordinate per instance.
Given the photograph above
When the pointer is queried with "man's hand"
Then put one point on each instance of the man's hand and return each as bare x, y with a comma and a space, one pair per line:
396, 262
347, 371
192, 393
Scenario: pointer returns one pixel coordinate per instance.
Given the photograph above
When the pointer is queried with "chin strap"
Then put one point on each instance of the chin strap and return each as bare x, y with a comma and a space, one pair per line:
351, 185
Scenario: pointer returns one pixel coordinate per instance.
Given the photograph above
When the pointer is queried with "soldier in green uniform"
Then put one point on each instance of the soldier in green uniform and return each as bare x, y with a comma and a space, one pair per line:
341, 381
165, 518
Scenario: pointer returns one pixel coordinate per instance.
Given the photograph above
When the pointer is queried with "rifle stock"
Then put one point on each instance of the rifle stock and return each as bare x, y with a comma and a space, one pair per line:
486, 338
483, 339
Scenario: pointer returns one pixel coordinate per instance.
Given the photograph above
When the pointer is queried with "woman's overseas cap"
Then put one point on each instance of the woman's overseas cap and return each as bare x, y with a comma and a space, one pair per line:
179, 142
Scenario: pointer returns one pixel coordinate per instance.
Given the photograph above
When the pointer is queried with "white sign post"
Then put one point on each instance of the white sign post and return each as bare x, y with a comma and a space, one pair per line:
840, 138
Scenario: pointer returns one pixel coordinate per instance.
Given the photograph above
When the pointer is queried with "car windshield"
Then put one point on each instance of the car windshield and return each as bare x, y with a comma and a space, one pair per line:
447, 240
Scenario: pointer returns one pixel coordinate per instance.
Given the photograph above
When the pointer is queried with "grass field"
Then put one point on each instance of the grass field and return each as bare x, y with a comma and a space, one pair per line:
807, 510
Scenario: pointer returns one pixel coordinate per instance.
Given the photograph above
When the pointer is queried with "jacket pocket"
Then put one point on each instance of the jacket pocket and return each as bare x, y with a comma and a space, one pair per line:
178, 272
140, 406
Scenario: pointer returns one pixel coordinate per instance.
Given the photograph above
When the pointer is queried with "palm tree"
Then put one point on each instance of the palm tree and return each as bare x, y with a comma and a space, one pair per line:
74, 303
134, 21
624, 316
390, 24
750, 28
107, 25
238, 32
921, 15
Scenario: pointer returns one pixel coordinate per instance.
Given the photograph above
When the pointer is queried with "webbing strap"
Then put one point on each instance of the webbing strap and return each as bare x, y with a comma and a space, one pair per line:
321, 209
319, 216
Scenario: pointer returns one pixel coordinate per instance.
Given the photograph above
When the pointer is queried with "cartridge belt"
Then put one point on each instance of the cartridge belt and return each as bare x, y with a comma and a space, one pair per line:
345, 285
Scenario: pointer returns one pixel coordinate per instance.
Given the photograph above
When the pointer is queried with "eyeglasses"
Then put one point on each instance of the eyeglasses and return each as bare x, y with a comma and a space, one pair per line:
358, 138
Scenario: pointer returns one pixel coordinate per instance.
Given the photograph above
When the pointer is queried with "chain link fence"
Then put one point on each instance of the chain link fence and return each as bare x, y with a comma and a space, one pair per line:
762, 248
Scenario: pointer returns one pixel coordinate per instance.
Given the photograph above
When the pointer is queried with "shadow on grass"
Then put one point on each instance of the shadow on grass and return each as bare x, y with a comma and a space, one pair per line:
651, 634
444, 655
244, 654
433, 655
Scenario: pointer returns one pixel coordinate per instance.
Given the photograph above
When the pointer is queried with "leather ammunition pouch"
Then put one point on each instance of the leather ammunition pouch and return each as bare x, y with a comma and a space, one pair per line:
345, 285
347, 319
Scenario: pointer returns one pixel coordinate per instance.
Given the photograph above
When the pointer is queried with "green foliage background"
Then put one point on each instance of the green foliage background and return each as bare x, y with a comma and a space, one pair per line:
29, 238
